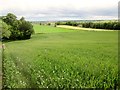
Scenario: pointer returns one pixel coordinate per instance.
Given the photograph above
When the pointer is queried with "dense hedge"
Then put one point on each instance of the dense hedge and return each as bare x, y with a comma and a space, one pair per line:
111, 25
13, 29
68, 23
103, 25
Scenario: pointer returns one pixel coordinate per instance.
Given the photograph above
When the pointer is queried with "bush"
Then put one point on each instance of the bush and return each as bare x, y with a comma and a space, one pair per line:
49, 24
5, 31
19, 29
26, 29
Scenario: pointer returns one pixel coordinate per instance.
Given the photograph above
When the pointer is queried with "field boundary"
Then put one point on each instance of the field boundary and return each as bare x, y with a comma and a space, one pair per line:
80, 28
0, 67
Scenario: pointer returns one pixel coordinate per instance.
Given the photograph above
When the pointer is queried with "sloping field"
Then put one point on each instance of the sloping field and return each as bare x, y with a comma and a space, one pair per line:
79, 59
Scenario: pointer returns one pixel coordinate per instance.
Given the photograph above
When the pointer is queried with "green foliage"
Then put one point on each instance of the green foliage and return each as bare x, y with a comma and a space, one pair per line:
60, 23
55, 25
26, 29
9, 19
40, 23
71, 23
79, 59
20, 29
102, 25
5, 30
111, 25
49, 24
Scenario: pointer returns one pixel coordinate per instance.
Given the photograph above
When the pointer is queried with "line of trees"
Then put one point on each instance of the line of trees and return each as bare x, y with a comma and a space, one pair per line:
97, 25
71, 23
103, 25
13, 29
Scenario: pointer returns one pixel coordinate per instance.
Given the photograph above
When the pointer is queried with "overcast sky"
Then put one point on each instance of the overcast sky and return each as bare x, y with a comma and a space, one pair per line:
61, 9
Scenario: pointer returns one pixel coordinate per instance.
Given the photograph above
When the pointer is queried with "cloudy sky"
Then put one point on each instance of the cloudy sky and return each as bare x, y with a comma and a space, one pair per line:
61, 9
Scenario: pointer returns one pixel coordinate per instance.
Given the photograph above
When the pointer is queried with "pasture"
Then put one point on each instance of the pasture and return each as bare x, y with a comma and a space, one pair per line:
62, 58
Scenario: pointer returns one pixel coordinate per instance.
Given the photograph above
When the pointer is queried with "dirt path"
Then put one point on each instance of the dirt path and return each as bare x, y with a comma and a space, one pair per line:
0, 68
79, 28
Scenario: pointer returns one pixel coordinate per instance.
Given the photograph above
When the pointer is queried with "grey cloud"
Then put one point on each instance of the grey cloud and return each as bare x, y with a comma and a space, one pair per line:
62, 13
106, 11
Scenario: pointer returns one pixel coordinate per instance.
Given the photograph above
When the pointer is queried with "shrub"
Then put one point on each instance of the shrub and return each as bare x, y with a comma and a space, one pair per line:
19, 29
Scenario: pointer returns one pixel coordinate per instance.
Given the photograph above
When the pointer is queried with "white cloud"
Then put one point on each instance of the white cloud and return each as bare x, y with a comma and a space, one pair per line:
68, 9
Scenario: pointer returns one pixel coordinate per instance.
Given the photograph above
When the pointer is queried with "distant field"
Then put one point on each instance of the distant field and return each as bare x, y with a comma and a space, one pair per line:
49, 29
79, 28
57, 57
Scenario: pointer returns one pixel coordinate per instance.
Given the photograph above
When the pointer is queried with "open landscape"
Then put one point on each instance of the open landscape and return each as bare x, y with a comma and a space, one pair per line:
63, 58
55, 44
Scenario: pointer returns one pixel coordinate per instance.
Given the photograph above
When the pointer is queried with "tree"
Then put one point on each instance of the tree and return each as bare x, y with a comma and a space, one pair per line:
9, 19
40, 23
22, 19
5, 31
26, 29
19, 29
49, 24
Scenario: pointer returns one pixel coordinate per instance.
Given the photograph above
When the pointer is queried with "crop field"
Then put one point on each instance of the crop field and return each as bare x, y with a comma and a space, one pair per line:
62, 58
47, 29
81, 28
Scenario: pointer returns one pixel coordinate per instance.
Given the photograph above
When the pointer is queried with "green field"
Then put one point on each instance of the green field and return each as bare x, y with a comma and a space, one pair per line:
64, 58
49, 29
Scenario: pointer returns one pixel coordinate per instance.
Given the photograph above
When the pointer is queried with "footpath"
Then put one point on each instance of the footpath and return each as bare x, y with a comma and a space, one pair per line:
0, 68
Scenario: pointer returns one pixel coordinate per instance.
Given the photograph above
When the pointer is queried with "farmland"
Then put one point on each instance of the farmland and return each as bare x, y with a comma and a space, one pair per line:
63, 58
48, 29
79, 28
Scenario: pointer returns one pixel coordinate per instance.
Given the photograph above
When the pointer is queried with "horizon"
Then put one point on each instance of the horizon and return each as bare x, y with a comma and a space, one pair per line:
54, 10
73, 20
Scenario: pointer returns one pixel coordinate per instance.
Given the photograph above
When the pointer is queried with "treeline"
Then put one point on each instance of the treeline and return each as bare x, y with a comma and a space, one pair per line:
13, 29
103, 25
71, 23
97, 25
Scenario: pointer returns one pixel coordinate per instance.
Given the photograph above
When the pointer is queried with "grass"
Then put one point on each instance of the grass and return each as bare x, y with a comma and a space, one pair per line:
0, 65
63, 59
49, 29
